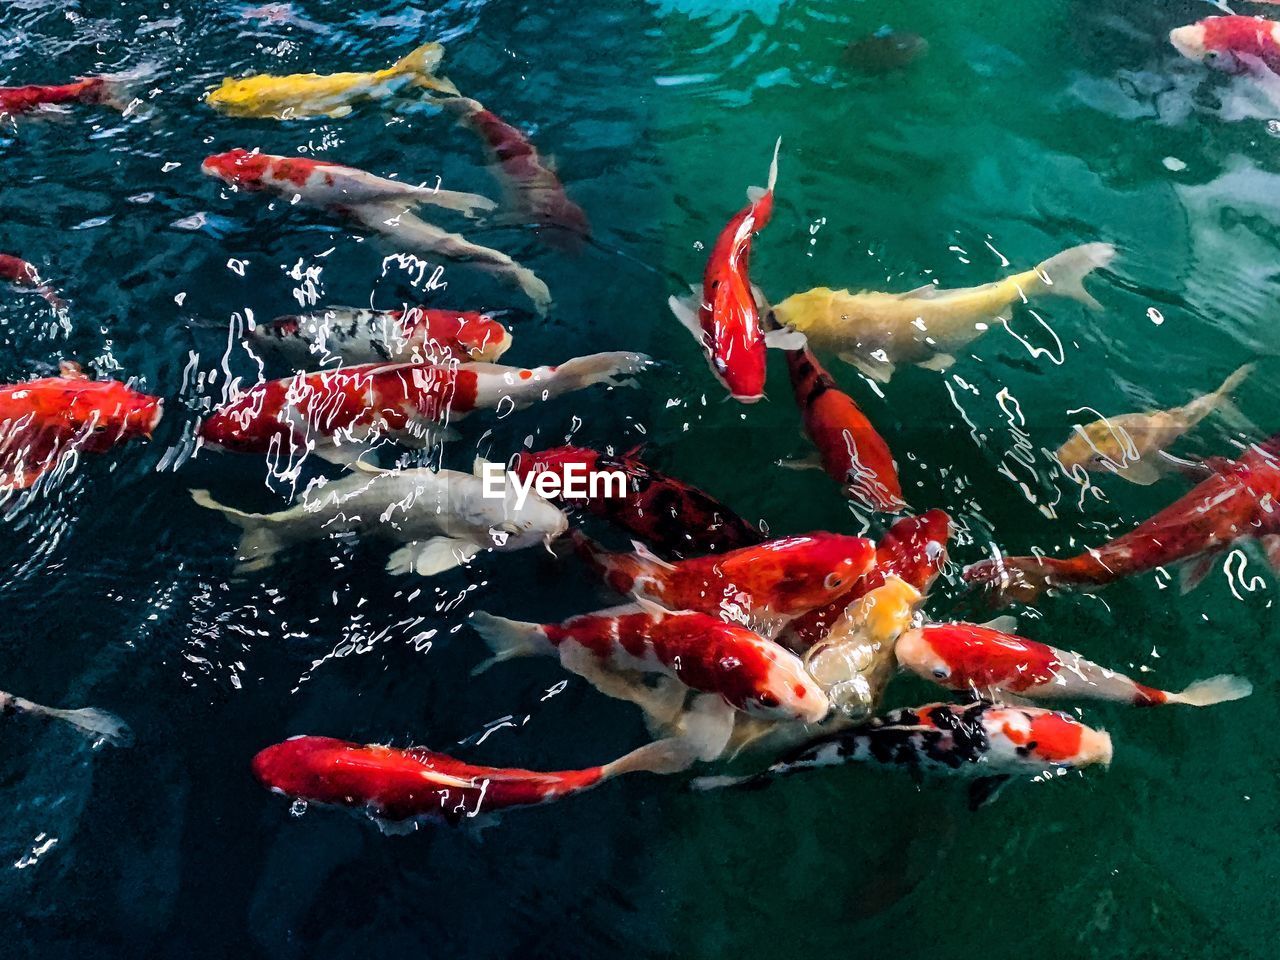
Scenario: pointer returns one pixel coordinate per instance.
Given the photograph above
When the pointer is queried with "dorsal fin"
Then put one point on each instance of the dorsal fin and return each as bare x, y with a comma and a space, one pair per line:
70, 370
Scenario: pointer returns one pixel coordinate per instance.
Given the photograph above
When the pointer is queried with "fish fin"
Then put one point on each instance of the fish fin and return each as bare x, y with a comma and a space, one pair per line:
809, 461
508, 639
259, 543
644, 553
71, 370
337, 113
673, 755
877, 371
1219, 689
785, 339
940, 362
96, 724
432, 557
1007, 623
1192, 573
927, 291
985, 790
721, 782
650, 607
478, 465
470, 205
756, 193
1195, 469
1271, 550
422, 64
708, 725
610, 369
1235, 379
1142, 472
686, 311
361, 465
1230, 414
1064, 273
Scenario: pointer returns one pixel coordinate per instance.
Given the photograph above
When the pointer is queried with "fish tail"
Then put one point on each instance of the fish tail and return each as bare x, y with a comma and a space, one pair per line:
1205, 693
757, 193
1221, 403
92, 722
260, 542
612, 369
1014, 578
469, 205
422, 63
533, 286
673, 755
508, 639
1063, 274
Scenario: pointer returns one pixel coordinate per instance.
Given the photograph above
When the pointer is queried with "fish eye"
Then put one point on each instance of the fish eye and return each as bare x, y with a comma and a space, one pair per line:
940, 672
833, 581
767, 700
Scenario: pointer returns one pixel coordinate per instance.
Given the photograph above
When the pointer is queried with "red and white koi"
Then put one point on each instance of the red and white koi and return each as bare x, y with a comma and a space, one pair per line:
24, 276
963, 656
1236, 45
725, 315
1238, 502
416, 783
704, 653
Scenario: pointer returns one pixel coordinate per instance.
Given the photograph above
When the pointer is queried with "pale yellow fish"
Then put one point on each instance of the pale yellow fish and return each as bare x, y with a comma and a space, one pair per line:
874, 331
1132, 445
300, 95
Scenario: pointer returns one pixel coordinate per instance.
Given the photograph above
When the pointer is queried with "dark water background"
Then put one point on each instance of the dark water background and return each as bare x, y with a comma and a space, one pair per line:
1026, 129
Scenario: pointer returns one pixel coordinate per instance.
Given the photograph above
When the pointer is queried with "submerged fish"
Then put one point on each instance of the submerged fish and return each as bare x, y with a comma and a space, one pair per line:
339, 413
442, 518
24, 276
1238, 502
416, 783
875, 331
983, 660
672, 517
1130, 445
850, 450
46, 420
98, 725
762, 587
725, 316
376, 203
90, 90
885, 50
1236, 45
983, 741
303, 95
703, 653
532, 187
357, 335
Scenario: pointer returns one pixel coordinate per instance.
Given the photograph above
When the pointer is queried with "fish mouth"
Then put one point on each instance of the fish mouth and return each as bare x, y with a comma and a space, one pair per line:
1186, 40
156, 417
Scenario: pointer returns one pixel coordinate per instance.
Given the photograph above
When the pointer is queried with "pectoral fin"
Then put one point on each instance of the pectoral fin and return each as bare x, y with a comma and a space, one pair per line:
785, 339
432, 557
809, 462
1271, 550
1142, 472
984, 790
940, 362
686, 310
881, 372
1193, 572
1005, 624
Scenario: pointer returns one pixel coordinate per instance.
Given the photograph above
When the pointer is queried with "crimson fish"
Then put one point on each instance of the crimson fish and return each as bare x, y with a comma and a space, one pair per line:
415, 783
672, 517
725, 315
963, 656
380, 204
850, 450
1237, 502
16, 271
913, 549
42, 421
532, 187
704, 653
336, 412
15, 100
762, 587
1236, 45
980, 740
356, 335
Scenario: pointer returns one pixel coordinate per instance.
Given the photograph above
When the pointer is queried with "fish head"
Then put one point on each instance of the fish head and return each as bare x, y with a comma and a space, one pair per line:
537, 521
1029, 736
810, 571
481, 336
917, 654
297, 767
232, 97
775, 687
915, 548
1228, 44
239, 168
102, 413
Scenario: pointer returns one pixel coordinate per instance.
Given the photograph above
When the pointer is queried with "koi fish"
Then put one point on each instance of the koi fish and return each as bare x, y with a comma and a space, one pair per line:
265, 96
1236, 45
442, 518
876, 331
980, 740
1131, 445
46, 420
23, 275
913, 549
416, 783
338, 413
90, 90
703, 653
532, 187
355, 335
98, 725
762, 587
850, 450
671, 516
962, 656
1237, 502
376, 203
725, 316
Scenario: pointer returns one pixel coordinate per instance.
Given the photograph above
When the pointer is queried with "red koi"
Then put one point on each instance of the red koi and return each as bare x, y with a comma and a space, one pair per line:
15, 100
1232, 44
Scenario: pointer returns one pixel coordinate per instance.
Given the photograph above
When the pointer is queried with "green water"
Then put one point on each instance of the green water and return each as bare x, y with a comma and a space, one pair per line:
1027, 128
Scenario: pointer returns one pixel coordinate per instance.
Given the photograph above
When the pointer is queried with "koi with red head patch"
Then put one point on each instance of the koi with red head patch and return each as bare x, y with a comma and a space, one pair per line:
1237, 502
850, 450
356, 405
355, 336
725, 317
990, 743
1232, 44
762, 587
674, 518
913, 549
962, 656
532, 187
415, 783
704, 653
24, 276
44, 420
15, 100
